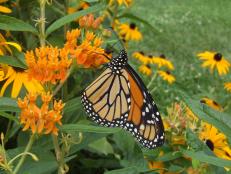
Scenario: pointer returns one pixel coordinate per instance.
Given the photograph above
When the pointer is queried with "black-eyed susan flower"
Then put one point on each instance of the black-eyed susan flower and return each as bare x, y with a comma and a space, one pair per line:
167, 76
145, 69
120, 2
74, 6
130, 32
142, 58
41, 120
162, 61
4, 9
211, 103
48, 64
215, 60
215, 140
19, 78
227, 86
4, 46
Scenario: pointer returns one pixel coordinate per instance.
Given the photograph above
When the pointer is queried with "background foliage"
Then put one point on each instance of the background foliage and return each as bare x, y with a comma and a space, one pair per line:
178, 29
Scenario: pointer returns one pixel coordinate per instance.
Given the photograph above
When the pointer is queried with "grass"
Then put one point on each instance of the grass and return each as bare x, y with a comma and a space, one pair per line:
184, 28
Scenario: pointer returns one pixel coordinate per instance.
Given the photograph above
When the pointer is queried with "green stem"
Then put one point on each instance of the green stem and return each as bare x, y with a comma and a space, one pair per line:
22, 159
42, 20
61, 83
59, 155
153, 78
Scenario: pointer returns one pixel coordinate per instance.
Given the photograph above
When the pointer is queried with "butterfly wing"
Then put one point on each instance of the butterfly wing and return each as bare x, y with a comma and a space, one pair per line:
107, 99
144, 121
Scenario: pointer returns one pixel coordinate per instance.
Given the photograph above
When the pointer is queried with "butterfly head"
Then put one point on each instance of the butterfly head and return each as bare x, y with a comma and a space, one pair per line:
118, 62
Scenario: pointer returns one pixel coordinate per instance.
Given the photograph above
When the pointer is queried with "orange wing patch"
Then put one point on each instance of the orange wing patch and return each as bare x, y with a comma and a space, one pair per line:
136, 102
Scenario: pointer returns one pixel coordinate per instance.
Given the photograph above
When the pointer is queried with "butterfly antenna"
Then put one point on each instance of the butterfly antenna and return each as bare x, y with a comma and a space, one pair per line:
119, 40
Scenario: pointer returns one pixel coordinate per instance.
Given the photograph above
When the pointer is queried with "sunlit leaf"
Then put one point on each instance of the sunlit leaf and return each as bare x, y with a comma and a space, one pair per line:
14, 24
71, 17
88, 128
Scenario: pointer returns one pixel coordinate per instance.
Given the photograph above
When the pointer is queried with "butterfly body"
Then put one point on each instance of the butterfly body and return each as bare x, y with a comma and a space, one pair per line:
119, 98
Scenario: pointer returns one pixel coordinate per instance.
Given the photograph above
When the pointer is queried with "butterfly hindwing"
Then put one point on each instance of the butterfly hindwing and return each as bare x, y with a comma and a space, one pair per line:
144, 121
107, 99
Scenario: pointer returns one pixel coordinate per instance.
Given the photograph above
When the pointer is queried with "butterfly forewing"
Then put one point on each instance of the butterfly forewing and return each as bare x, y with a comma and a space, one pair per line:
107, 99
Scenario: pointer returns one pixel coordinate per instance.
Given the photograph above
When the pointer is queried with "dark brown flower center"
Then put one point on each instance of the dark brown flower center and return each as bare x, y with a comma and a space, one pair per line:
203, 101
132, 26
218, 57
150, 56
162, 56
227, 154
168, 72
17, 69
215, 103
148, 66
210, 144
141, 52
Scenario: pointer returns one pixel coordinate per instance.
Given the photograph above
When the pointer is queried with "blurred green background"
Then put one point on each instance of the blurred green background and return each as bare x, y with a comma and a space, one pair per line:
184, 28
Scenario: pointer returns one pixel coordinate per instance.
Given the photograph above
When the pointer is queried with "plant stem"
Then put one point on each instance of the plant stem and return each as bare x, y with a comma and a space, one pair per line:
22, 159
42, 36
61, 83
59, 155
153, 78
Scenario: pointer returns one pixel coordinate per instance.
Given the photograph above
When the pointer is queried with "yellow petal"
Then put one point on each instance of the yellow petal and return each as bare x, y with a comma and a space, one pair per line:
17, 85
1, 52
5, 9
2, 1
17, 46
6, 84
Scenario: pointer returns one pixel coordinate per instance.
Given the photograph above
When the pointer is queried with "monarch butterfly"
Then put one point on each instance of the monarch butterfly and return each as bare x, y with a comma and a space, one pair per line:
119, 98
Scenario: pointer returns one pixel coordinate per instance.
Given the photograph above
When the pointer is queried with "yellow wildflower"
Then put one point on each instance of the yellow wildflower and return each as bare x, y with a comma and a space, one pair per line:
4, 9
166, 75
227, 86
213, 59
162, 61
145, 69
211, 103
130, 32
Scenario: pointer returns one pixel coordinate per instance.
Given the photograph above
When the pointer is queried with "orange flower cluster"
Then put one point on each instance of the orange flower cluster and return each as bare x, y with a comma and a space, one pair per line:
89, 52
40, 120
89, 22
48, 64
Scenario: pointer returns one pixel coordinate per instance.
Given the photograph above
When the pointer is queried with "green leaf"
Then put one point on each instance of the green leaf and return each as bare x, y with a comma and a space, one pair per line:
14, 24
12, 61
199, 108
134, 17
8, 116
222, 117
72, 105
169, 156
8, 104
71, 17
102, 146
127, 170
132, 154
201, 156
88, 128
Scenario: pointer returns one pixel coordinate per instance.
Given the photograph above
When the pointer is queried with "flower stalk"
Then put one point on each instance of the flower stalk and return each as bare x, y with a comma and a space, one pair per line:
23, 156
62, 167
42, 21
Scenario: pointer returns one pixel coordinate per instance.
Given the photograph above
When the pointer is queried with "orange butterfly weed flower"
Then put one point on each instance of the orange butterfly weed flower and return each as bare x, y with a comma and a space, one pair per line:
48, 64
89, 52
40, 119
89, 22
